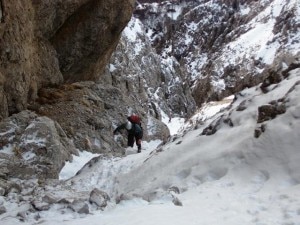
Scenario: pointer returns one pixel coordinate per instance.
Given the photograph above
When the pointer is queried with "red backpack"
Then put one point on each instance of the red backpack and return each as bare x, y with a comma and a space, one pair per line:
134, 119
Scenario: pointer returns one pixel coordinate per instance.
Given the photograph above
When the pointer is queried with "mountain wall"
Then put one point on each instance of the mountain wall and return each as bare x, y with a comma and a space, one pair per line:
157, 85
47, 43
223, 46
55, 96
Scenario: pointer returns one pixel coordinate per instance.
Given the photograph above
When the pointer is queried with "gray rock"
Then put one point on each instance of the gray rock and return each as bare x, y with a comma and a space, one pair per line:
3, 169
48, 198
39, 146
23, 211
174, 189
176, 201
157, 130
2, 210
269, 112
40, 206
2, 191
80, 207
2, 200
65, 200
123, 197
9, 187
259, 130
98, 197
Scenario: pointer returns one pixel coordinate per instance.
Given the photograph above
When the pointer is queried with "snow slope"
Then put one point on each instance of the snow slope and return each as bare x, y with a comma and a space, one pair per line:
228, 178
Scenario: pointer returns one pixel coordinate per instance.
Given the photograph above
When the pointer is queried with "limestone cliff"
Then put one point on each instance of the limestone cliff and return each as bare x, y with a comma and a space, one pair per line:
47, 43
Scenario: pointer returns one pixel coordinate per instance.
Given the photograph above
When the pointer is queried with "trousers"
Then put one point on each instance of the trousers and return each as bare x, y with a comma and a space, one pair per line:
134, 138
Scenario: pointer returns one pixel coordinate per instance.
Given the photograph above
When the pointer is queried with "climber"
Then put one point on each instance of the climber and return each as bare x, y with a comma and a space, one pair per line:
134, 131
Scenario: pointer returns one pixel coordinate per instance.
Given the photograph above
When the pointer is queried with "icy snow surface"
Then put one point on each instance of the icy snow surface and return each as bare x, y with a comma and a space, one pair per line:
71, 168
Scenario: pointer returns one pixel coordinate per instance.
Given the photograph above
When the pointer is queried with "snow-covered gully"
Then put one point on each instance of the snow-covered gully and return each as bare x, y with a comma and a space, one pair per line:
230, 177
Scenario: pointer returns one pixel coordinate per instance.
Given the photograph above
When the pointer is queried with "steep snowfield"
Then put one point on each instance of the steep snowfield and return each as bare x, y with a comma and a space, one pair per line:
232, 152
228, 178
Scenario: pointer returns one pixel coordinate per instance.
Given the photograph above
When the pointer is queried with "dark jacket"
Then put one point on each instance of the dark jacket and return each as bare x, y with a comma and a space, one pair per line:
135, 130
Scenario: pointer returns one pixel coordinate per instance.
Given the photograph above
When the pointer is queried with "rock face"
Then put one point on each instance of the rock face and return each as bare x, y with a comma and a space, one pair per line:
88, 112
54, 42
58, 42
155, 84
88, 37
208, 40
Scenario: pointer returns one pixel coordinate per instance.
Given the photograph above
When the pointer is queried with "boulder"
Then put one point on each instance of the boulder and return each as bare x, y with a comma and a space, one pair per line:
269, 112
80, 207
33, 146
2, 210
40, 206
98, 197
156, 130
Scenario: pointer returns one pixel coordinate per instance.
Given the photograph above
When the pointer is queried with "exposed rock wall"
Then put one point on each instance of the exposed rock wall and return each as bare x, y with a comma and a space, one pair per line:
151, 82
19, 59
87, 38
46, 43
55, 43
205, 36
88, 112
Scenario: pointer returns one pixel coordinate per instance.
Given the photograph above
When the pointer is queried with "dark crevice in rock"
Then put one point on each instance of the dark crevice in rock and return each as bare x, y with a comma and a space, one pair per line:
2, 12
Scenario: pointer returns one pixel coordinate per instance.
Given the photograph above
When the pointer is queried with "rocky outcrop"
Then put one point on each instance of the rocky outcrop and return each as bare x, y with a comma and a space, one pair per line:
30, 198
55, 42
88, 112
270, 111
87, 38
33, 147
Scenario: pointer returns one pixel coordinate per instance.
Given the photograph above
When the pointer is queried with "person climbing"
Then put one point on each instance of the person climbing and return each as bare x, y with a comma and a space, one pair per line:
134, 131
